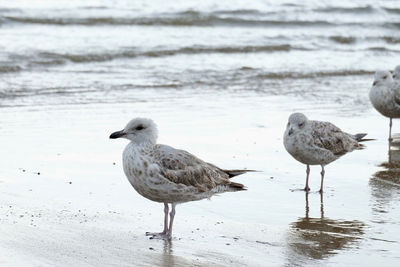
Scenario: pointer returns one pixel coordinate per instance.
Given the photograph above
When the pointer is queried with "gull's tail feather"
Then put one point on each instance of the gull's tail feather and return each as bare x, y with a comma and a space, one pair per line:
233, 173
236, 186
360, 137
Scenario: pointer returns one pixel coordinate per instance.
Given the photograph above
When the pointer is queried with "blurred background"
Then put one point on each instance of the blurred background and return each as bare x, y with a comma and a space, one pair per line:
70, 52
220, 79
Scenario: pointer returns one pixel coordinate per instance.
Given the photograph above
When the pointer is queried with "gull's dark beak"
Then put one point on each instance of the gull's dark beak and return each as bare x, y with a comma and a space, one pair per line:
374, 83
290, 131
117, 134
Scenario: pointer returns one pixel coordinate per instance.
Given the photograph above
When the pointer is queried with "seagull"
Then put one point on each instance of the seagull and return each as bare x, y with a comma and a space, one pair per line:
396, 85
396, 73
317, 143
167, 175
385, 96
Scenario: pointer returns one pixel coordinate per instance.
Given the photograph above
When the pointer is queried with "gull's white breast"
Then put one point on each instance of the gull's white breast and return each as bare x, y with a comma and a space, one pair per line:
301, 147
382, 98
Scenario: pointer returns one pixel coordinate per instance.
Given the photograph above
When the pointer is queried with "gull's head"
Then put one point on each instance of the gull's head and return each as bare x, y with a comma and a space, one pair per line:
396, 73
382, 78
297, 122
138, 130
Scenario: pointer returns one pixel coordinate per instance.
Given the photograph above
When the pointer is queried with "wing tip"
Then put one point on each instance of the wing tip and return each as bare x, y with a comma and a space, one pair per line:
360, 137
233, 173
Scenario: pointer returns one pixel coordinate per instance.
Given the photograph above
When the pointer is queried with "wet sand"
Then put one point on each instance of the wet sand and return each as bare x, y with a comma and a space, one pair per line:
81, 210
220, 79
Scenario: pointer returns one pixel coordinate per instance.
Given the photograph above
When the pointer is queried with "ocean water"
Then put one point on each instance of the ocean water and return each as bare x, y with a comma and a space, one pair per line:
70, 52
220, 79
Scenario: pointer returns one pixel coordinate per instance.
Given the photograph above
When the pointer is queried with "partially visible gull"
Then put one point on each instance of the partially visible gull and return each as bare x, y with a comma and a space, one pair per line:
317, 143
167, 175
385, 96
396, 73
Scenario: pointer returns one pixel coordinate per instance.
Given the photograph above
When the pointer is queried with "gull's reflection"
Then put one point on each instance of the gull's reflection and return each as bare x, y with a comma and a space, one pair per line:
385, 184
168, 258
319, 238
163, 255
393, 152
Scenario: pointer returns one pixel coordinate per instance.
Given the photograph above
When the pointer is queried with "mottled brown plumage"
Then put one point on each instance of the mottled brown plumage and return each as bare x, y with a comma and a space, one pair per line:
330, 137
181, 167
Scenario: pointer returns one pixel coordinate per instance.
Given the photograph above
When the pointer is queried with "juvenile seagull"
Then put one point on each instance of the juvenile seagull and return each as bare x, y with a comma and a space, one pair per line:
317, 143
164, 174
396, 85
385, 96
396, 73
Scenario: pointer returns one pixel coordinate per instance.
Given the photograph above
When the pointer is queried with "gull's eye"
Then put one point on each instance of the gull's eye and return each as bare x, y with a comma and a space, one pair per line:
301, 124
139, 127
384, 77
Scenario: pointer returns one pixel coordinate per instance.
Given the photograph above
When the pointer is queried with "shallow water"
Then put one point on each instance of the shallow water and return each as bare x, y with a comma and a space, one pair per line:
220, 80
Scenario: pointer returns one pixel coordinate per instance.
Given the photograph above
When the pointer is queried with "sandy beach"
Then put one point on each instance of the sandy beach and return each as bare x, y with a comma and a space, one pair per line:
220, 82
81, 210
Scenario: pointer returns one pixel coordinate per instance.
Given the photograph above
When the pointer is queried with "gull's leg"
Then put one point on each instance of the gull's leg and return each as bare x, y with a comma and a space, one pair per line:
171, 220
322, 179
164, 233
166, 209
308, 175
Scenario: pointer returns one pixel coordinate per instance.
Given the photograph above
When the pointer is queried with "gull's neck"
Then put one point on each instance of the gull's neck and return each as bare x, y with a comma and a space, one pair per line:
142, 145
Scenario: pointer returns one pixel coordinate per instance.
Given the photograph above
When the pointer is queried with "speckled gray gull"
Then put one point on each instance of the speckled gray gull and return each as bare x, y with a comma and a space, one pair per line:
385, 96
171, 176
396, 85
396, 73
317, 143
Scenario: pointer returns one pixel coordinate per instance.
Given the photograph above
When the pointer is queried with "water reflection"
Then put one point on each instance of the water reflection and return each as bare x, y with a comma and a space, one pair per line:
393, 152
164, 256
385, 184
318, 238
167, 257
